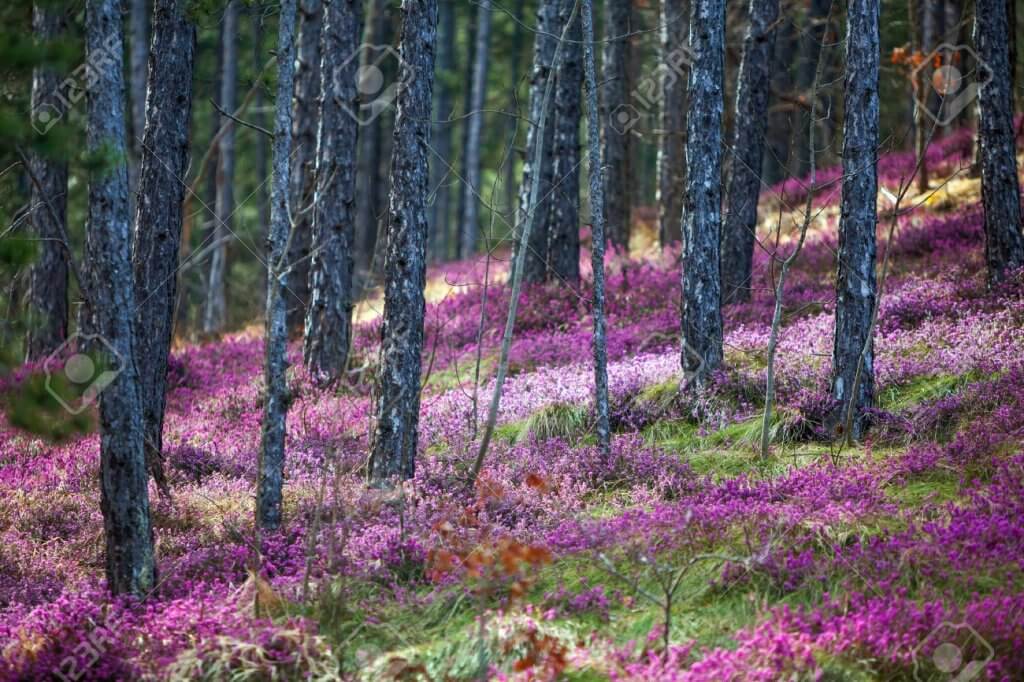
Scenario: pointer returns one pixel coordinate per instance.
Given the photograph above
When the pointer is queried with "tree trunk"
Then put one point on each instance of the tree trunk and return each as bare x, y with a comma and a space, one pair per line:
597, 252
329, 319
259, 117
512, 122
1000, 191
304, 130
811, 40
619, 116
470, 219
563, 228
441, 158
545, 43
467, 97
672, 138
157, 236
275, 403
130, 562
48, 288
138, 57
371, 142
215, 313
702, 220
853, 350
739, 232
780, 116
398, 385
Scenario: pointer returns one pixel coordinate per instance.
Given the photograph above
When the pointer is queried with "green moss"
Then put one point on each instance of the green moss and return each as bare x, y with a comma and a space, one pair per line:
922, 389
558, 420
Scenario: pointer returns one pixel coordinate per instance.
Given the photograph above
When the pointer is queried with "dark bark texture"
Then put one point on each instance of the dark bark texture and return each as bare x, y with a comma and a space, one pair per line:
470, 219
275, 403
672, 137
329, 319
48, 286
563, 224
441, 158
739, 231
304, 131
780, 114
602, 427
545, 43
158, 217
1000, 191
130, 563
398, 385
811, 39
618, 116
215, 312
853, 350
702, 219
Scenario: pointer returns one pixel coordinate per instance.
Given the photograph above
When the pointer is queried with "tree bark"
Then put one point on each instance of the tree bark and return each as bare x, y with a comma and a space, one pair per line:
276, 399
563, 223
739, 232
1000, 190
329, 318
780, 116
304, 131
398, 386
811, 49
138, 57
544, 47
601, 411
702, 220
672, 138
369, 182
619, 116
215, 312
48, 281
441, 158
158, 219
130, 562
853, 349
470, 223
514, 107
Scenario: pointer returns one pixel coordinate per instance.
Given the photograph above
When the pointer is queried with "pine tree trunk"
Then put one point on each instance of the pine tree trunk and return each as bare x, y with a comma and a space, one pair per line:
441, 158
398, 385
158, 218
371, 143
467, 97
853, 351
780, 117
618, 116
261, 157
275, 404
672, 138
1000, 190
470, 219
702, 219
545, 42
304, 127
138, 58
512, 123
603, 428
215, 313
329, 319
811, 40
48, 288
739, 231
130, 562
563, 228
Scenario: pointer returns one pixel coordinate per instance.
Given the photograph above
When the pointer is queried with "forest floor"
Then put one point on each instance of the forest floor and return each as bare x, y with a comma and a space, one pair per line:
684, 556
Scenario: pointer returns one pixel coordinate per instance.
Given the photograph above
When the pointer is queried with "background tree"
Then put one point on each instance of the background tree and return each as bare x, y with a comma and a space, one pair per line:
1000, 189
445, 77
130, 560
138, 61
48, 285
393, 452
471, 183
215, 311
329, 318
672, 136
156, 239
740, 230
619, 116
702, 220
276, 398
853, 349
304, 131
